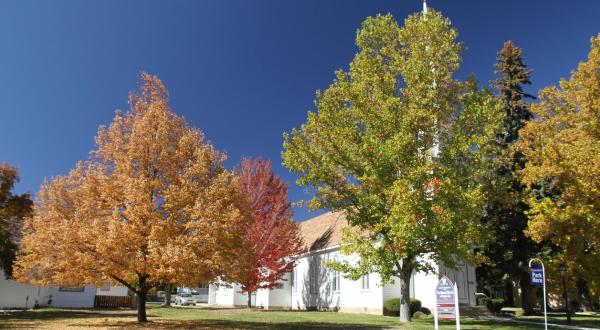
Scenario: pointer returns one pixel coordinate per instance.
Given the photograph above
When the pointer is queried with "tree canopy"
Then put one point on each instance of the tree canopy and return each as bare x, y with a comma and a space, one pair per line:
562, 146
400, 146
152, 205
13, 209
273, 238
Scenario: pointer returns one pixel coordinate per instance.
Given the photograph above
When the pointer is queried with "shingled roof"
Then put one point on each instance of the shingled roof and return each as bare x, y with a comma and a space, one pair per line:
323, 231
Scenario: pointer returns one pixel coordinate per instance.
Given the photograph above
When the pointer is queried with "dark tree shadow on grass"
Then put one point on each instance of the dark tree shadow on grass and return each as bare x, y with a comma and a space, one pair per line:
51, 314
226, 324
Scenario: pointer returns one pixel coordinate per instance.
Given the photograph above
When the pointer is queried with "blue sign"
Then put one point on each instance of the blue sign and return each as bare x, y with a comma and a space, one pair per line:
537, 277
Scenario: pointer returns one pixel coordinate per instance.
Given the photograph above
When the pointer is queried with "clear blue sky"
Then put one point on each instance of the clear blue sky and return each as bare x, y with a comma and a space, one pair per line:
242, 71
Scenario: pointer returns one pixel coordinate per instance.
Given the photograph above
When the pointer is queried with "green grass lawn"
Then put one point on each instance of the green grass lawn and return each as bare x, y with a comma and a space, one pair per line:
591, 320
221, 318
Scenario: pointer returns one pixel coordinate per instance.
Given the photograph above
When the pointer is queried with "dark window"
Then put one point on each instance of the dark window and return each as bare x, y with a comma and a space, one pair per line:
365, 282
65, 289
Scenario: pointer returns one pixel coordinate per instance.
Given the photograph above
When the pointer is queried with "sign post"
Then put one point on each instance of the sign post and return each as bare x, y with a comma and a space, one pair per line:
538, 278
446, 302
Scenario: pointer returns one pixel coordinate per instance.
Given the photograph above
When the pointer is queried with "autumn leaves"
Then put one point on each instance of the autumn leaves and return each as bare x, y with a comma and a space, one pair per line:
154, 205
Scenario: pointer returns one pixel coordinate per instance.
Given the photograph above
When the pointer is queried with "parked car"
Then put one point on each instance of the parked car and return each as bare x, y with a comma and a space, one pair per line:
184, 299
196, 296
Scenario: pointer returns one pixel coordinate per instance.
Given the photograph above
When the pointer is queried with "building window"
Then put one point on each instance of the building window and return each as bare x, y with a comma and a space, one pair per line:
313, 275
335, 281
68, 289
293, 277
105, 286
365, 282
278, 285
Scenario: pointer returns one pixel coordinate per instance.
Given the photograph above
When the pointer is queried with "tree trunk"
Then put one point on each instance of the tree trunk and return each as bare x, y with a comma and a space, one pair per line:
249, 299
510, 299
405, 291
168, 290
141, 305
527, 294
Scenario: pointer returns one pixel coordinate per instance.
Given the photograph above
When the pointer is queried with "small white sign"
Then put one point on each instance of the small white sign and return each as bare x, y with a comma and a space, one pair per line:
446, 302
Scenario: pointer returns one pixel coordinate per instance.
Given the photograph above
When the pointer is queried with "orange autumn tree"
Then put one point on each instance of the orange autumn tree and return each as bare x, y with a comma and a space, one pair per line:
273, 238
152, 205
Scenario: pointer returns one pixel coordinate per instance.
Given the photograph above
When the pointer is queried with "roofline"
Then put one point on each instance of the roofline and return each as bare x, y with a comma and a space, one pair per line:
329, 248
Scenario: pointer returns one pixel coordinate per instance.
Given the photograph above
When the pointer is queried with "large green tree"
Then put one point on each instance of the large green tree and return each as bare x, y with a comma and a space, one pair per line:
510, 250
399, 145
13, 208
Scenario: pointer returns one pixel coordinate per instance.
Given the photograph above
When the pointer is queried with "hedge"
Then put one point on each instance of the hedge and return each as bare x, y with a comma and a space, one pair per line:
391, 307
494, 305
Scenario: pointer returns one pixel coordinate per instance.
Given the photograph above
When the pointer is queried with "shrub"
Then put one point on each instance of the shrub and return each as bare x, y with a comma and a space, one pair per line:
418, 315
425, 311
415, 306
519, 312
494, 305
391, 307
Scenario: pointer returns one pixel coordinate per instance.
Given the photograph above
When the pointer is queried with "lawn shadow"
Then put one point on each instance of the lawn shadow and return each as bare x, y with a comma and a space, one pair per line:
62, 313
203, 308
29, 319
476, 324
227, 324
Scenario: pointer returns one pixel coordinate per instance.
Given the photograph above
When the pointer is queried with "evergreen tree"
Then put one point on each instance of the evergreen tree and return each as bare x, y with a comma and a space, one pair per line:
13, 209
509, 250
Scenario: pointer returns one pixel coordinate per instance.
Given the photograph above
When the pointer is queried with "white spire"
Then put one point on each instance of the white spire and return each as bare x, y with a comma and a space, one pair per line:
424, 6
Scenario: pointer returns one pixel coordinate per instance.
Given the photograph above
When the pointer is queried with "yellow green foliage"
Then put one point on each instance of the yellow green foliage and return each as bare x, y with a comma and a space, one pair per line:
400, 146
562, 147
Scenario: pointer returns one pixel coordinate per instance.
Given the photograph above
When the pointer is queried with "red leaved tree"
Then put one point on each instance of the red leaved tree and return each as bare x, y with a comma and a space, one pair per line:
273, 237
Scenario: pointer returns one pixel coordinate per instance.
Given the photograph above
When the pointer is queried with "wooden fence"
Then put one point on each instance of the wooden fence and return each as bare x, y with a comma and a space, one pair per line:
113, 301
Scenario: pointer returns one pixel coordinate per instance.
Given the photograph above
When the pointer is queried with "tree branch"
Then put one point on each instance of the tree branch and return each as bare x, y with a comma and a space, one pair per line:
129, 286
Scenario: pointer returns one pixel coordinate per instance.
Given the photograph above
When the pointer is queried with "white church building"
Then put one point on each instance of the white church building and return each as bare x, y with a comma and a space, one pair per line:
311, 285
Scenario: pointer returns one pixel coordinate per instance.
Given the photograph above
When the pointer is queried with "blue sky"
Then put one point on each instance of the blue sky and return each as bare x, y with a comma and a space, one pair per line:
242, 71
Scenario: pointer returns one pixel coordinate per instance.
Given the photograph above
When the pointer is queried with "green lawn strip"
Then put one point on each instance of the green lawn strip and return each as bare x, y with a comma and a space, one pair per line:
228, 318
581, 320
309, 319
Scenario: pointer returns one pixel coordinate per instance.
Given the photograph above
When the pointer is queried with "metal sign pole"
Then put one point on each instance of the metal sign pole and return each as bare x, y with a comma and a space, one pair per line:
457, 309
543, 289
435, 318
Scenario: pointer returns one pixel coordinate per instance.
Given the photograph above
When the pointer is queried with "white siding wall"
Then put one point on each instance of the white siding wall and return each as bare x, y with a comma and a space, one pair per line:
241, 299
15, 295
228, 295
296, 293
424, 289
83, 299
223, 295
212, 294
350, 297
391, 290
281, 298
262, 298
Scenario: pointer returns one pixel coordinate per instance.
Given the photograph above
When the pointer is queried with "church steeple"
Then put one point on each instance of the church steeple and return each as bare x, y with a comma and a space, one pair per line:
424, 6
